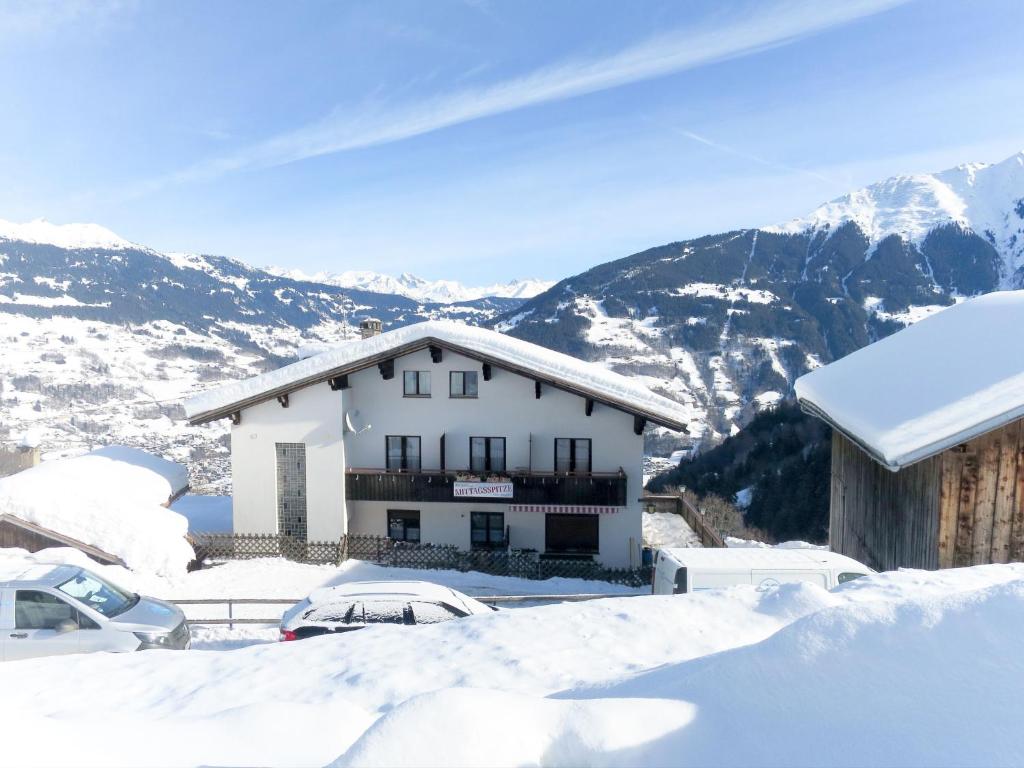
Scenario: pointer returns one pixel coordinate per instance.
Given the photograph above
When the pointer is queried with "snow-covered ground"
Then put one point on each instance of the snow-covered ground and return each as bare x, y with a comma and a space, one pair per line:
667, 529
733, 541
907, 668
205, 514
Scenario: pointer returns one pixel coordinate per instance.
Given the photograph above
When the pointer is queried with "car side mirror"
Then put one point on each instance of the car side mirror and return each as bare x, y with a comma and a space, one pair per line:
66, 625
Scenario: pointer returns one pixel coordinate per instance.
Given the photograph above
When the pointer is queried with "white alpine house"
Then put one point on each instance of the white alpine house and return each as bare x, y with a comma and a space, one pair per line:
443, 433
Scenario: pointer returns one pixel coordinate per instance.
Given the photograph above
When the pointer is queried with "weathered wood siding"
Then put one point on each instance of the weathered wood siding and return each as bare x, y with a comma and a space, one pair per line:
884, 519
15, 536
982, 506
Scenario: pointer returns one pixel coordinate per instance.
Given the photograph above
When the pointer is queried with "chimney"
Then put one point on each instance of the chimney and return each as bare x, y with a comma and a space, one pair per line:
369, 327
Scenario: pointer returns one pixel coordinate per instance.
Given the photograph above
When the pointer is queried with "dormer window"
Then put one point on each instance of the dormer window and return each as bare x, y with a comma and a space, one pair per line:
416, 383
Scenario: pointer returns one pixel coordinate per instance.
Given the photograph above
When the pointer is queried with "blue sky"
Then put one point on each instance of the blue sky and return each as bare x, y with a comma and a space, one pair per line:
483, 140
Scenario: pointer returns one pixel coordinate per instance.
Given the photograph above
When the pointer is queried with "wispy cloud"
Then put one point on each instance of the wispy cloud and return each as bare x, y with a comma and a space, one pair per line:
380, 122
753, 158
26, 21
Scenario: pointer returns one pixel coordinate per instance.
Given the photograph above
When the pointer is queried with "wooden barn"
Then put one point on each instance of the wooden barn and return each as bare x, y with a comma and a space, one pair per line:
928, 441
15, 532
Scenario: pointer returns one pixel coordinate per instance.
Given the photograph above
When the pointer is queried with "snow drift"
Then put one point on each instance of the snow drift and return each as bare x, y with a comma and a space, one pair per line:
906, 668
110, 498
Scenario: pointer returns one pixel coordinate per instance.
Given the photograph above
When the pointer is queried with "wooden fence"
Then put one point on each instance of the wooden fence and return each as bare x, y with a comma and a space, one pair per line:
709, 537
399, 554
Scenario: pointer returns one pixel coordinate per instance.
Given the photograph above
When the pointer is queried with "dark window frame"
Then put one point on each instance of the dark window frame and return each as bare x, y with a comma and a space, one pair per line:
488, 465
405, 515
405, 453
420, 376
573, 469
462, 395
489, 543
553, 517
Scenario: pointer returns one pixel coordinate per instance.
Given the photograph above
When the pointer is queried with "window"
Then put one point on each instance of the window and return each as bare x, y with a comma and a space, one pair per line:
433, 613
462, 384
845, 577
403, 453
98, 594
404, 525
571, 534
417, 383
487, 454
41, 610
572, 454
487, 530
291, 489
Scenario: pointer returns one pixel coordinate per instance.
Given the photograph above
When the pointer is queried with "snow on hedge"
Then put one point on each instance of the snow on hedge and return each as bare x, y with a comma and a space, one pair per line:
545, 362
110, 498
944, 380
911, 667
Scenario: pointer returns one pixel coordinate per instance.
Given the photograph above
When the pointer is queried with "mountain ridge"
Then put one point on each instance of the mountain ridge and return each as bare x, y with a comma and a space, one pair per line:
726, 322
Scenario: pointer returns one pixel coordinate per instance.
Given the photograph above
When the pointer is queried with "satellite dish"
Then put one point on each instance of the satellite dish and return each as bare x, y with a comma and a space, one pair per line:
354, 422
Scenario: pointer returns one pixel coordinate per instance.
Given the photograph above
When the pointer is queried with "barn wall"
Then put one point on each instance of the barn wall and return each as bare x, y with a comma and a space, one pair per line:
982, 506
884, 519
12, 535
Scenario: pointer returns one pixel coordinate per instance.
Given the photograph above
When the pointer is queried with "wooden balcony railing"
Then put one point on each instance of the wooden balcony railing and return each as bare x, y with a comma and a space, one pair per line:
597, 489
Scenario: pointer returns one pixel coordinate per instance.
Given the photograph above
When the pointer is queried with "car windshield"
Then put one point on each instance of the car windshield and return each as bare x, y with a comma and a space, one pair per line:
100, 595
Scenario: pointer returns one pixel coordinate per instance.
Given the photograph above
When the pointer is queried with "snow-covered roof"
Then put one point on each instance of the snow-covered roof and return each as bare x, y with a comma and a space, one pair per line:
946, 379
110, 499
544, 365
419, 590
756, 557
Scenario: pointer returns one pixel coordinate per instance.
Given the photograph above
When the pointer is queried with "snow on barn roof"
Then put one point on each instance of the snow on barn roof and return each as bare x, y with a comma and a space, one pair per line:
946, 379
110, 499
530, 360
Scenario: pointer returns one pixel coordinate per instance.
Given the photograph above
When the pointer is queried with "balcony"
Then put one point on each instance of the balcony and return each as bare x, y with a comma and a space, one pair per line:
596, 489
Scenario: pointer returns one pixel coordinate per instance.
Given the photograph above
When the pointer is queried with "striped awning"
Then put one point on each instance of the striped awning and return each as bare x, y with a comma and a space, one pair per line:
564, 509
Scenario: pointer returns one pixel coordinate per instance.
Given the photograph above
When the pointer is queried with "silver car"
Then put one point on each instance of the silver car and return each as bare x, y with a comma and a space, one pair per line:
50, 610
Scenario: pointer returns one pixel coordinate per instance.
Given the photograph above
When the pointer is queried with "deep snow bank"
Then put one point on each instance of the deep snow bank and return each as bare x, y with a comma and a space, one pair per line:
892, 669
110, 498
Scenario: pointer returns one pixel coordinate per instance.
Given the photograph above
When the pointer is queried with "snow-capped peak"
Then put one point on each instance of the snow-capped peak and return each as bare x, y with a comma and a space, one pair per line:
987, 199
441, 291
62, 235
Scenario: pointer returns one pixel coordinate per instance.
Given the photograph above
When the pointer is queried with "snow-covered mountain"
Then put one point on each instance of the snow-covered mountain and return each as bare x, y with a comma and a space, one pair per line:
979, 197
72, 236
725, 323
439, 291
101, 338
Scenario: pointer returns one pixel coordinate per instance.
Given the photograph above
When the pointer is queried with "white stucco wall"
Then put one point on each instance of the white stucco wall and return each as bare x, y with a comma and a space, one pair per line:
506, 407
313, 417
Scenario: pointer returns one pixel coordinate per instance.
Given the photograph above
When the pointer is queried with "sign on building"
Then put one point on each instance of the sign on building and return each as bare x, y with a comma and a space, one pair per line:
491, 490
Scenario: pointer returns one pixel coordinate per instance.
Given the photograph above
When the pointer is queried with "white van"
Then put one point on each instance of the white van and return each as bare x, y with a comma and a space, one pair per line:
50, 610
677, 571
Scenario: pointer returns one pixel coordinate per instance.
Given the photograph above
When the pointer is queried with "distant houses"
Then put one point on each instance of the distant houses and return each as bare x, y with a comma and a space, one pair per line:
928, 445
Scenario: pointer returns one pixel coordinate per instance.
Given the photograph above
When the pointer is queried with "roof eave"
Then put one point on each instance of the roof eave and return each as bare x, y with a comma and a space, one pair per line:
416, 346
895, 464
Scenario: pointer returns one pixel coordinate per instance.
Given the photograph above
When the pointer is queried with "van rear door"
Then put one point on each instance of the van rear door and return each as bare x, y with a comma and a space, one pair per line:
766, 579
